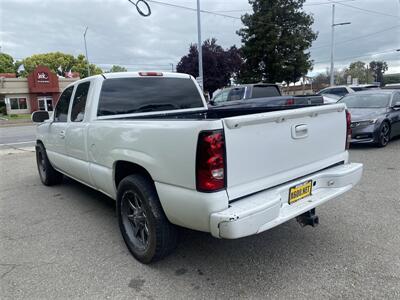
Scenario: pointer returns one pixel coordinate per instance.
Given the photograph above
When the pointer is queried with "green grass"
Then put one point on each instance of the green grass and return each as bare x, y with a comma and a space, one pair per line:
18, 117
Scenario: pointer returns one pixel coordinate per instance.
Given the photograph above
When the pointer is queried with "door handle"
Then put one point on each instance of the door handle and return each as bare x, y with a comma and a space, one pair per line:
61, 134
299, 131
301, 128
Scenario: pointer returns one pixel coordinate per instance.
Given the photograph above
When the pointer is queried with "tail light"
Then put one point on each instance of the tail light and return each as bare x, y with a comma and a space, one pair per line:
210, 161
348, 129
290, 101
150, 74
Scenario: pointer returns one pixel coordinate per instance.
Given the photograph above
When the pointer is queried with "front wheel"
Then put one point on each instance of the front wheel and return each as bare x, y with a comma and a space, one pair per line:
146, 230
48, 175
384, 135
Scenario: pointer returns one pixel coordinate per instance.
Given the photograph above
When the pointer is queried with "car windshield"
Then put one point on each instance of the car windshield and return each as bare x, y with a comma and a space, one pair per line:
366, 100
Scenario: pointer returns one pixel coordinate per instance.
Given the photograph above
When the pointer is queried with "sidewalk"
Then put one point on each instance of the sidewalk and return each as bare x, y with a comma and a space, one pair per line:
16, 122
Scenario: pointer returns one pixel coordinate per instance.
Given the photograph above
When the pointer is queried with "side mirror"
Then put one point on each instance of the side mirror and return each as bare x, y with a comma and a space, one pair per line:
396, 106
212, 102
40, 116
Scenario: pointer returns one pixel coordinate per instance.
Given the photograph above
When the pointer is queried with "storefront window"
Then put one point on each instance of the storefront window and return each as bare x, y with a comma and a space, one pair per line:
22, 103
45, 103
14, 103
18, 103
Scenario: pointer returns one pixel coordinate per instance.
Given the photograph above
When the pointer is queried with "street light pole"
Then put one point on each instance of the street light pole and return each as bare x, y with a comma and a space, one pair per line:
333, 42
199, 47
87, 57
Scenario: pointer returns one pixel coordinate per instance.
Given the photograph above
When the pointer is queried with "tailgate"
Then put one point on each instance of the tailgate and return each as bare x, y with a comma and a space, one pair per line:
268, 149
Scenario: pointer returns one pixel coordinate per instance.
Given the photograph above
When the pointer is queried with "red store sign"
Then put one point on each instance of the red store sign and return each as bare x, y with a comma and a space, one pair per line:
43, 77
43, 80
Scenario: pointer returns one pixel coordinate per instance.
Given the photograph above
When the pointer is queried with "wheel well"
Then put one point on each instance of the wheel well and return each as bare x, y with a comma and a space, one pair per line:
125, 168
388, 122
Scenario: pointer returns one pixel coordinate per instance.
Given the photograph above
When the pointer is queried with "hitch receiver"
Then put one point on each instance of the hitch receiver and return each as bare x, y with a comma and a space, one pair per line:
308, 218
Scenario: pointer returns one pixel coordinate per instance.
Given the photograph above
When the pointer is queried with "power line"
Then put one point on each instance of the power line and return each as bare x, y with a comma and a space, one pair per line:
357, 38
248, 10
324, 3
118, 63
365, 10
351, 57
194, 9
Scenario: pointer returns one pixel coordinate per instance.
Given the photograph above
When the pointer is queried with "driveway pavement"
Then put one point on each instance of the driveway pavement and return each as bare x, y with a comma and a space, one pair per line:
63, 242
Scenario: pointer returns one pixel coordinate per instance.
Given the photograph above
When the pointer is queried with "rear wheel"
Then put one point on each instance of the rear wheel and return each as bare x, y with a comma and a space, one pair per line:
384, 135
48, 175
146, 230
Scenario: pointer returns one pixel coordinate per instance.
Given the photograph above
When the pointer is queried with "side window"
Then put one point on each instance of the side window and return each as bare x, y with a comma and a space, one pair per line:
218, 97
396, 99
79, 103
61, 112
339, 91
325, 91
236, 94
221, 97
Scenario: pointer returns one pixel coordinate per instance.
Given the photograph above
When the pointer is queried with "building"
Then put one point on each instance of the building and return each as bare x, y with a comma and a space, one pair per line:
39, 91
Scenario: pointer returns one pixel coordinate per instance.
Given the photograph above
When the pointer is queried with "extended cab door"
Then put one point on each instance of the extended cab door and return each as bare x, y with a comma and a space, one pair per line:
76, 135
55, 145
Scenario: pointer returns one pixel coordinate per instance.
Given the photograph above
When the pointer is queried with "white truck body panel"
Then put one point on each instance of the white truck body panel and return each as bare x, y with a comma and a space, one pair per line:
265, 150
265, 154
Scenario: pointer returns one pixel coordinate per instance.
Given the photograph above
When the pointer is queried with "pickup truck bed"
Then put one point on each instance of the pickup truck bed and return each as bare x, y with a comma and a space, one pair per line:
231, 172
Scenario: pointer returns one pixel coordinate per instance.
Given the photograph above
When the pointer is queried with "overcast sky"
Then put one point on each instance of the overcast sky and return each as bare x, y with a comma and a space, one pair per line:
119, 35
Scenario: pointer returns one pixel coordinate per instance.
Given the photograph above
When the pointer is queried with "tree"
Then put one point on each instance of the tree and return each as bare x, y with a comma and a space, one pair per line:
116, 68
59, 63
378, 68
80, 66
276, 38
6, 63
359, 70
219, 65
391, 78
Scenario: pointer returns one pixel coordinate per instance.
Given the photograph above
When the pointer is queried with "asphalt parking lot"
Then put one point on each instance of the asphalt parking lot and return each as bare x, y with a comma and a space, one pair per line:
64, 242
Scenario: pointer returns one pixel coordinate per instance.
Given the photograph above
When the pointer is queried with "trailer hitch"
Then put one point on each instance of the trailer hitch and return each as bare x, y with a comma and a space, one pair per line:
308, 218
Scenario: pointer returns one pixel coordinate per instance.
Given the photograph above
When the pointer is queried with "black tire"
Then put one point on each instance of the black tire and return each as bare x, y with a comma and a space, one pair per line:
146, 230
48, 175
383, 135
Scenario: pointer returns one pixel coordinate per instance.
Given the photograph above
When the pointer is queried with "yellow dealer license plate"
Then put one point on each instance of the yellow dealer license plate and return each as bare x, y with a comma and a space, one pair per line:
300, 191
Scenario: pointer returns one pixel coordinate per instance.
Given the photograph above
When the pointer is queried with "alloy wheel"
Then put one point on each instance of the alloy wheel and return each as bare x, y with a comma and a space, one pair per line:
42, 164
384, 134
135, 219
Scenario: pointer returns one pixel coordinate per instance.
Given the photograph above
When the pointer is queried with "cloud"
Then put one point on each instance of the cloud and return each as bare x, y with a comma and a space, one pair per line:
119, 35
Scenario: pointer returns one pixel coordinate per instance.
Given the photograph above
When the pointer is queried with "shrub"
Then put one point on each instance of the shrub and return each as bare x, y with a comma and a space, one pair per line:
3, 110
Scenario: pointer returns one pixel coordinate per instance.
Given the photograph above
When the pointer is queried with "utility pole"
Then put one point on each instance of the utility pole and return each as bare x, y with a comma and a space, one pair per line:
199, 46
172, 67
333, 41
87, 57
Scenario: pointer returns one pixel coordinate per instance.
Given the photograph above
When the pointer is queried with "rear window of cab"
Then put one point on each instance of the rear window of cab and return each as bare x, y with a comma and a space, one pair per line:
148, 94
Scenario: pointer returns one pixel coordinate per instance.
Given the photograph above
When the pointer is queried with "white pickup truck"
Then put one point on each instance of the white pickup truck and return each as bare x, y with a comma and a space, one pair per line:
148, 140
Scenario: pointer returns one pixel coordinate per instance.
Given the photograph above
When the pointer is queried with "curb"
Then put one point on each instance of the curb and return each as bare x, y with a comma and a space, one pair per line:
16, 124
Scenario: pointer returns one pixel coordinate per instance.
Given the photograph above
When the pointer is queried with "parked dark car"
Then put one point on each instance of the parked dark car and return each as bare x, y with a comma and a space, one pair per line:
375, 116
259, 94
